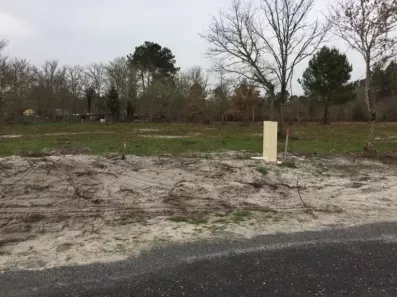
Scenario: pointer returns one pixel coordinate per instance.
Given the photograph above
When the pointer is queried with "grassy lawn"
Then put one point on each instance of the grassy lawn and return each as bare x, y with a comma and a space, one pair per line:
155, 138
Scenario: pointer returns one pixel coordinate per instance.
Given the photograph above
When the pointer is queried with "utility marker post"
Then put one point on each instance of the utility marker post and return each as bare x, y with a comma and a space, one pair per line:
125, 147
270, 141
286, 144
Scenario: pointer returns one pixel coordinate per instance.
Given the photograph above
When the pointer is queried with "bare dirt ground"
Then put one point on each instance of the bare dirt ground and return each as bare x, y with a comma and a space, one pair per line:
76, 209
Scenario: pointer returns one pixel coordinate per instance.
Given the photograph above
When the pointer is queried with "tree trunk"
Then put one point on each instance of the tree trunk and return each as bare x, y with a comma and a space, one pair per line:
342, 113
325, 117
89, 109
284, 95
370, 106
143, 82
281, 116
271, 110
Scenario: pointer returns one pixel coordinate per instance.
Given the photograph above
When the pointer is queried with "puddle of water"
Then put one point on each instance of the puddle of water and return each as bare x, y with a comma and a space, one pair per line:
11, 136
148, 130
163, 136
77, 133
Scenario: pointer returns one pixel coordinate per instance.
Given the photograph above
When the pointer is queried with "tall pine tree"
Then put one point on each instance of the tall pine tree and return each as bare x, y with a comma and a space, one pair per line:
326, 79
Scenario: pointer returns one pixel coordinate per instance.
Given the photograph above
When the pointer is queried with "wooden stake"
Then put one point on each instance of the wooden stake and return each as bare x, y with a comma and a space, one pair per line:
125, 147
286, 144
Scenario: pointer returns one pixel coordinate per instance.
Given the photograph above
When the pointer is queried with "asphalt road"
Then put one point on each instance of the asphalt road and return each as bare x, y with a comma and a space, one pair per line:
359, 261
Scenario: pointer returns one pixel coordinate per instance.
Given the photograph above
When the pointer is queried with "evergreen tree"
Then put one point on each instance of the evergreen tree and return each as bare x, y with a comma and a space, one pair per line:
326, 79
113, 102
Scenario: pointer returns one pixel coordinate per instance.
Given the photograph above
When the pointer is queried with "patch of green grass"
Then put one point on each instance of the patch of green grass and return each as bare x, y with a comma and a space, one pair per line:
179, 219
240, 216
215, 228
263, 170
288, 165
198, 221
267, 210
336, 138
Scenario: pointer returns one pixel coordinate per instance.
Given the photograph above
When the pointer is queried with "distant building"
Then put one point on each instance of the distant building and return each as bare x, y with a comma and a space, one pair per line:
29, 112
61, 114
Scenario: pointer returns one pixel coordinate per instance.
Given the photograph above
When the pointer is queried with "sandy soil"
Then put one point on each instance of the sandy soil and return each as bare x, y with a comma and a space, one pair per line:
67, 210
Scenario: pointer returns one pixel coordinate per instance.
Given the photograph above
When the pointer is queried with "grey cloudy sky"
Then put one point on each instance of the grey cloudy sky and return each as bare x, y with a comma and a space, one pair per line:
88, 31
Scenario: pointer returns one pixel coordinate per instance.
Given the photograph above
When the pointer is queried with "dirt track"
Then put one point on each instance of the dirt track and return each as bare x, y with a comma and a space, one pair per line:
60, 210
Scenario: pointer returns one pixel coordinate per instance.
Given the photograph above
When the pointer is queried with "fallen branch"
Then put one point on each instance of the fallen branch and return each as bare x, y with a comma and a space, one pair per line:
77, 189
274, 186
175, 186
108, 173
308, 209
50, 168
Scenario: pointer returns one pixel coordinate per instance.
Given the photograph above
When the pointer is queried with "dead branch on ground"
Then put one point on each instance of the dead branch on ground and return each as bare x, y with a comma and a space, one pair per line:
308, 208
77, 189
274, 186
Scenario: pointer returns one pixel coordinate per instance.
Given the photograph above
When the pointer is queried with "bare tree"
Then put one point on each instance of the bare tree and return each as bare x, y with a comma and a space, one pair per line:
97, 74
117, 72
5, 81
195, 101
366, 26
15, 79
220, 99
74, 79
50, 82
3, 43
196, 75
21, 81
87, 85
264, 44
119, 75
235, 48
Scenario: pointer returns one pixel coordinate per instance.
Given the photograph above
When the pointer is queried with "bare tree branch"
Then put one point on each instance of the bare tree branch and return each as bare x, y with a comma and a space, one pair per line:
3, 43
264, 44
97, 74
367, 26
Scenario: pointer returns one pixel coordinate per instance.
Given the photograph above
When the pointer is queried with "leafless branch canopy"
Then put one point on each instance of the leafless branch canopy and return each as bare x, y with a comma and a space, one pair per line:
3, 43
97, 74
367, 26
263, 44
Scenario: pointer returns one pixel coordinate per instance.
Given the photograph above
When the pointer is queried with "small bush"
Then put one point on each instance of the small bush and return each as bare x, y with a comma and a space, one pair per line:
263, 170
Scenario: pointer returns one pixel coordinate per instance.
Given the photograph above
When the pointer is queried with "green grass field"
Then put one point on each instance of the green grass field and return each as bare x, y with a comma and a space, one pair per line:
155, 138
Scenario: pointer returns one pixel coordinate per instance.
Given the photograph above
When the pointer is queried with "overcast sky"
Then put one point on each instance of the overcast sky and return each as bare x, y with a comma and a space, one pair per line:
88, 31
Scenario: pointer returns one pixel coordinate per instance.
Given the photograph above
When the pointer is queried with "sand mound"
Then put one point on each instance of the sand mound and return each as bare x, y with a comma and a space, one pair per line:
63, 210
